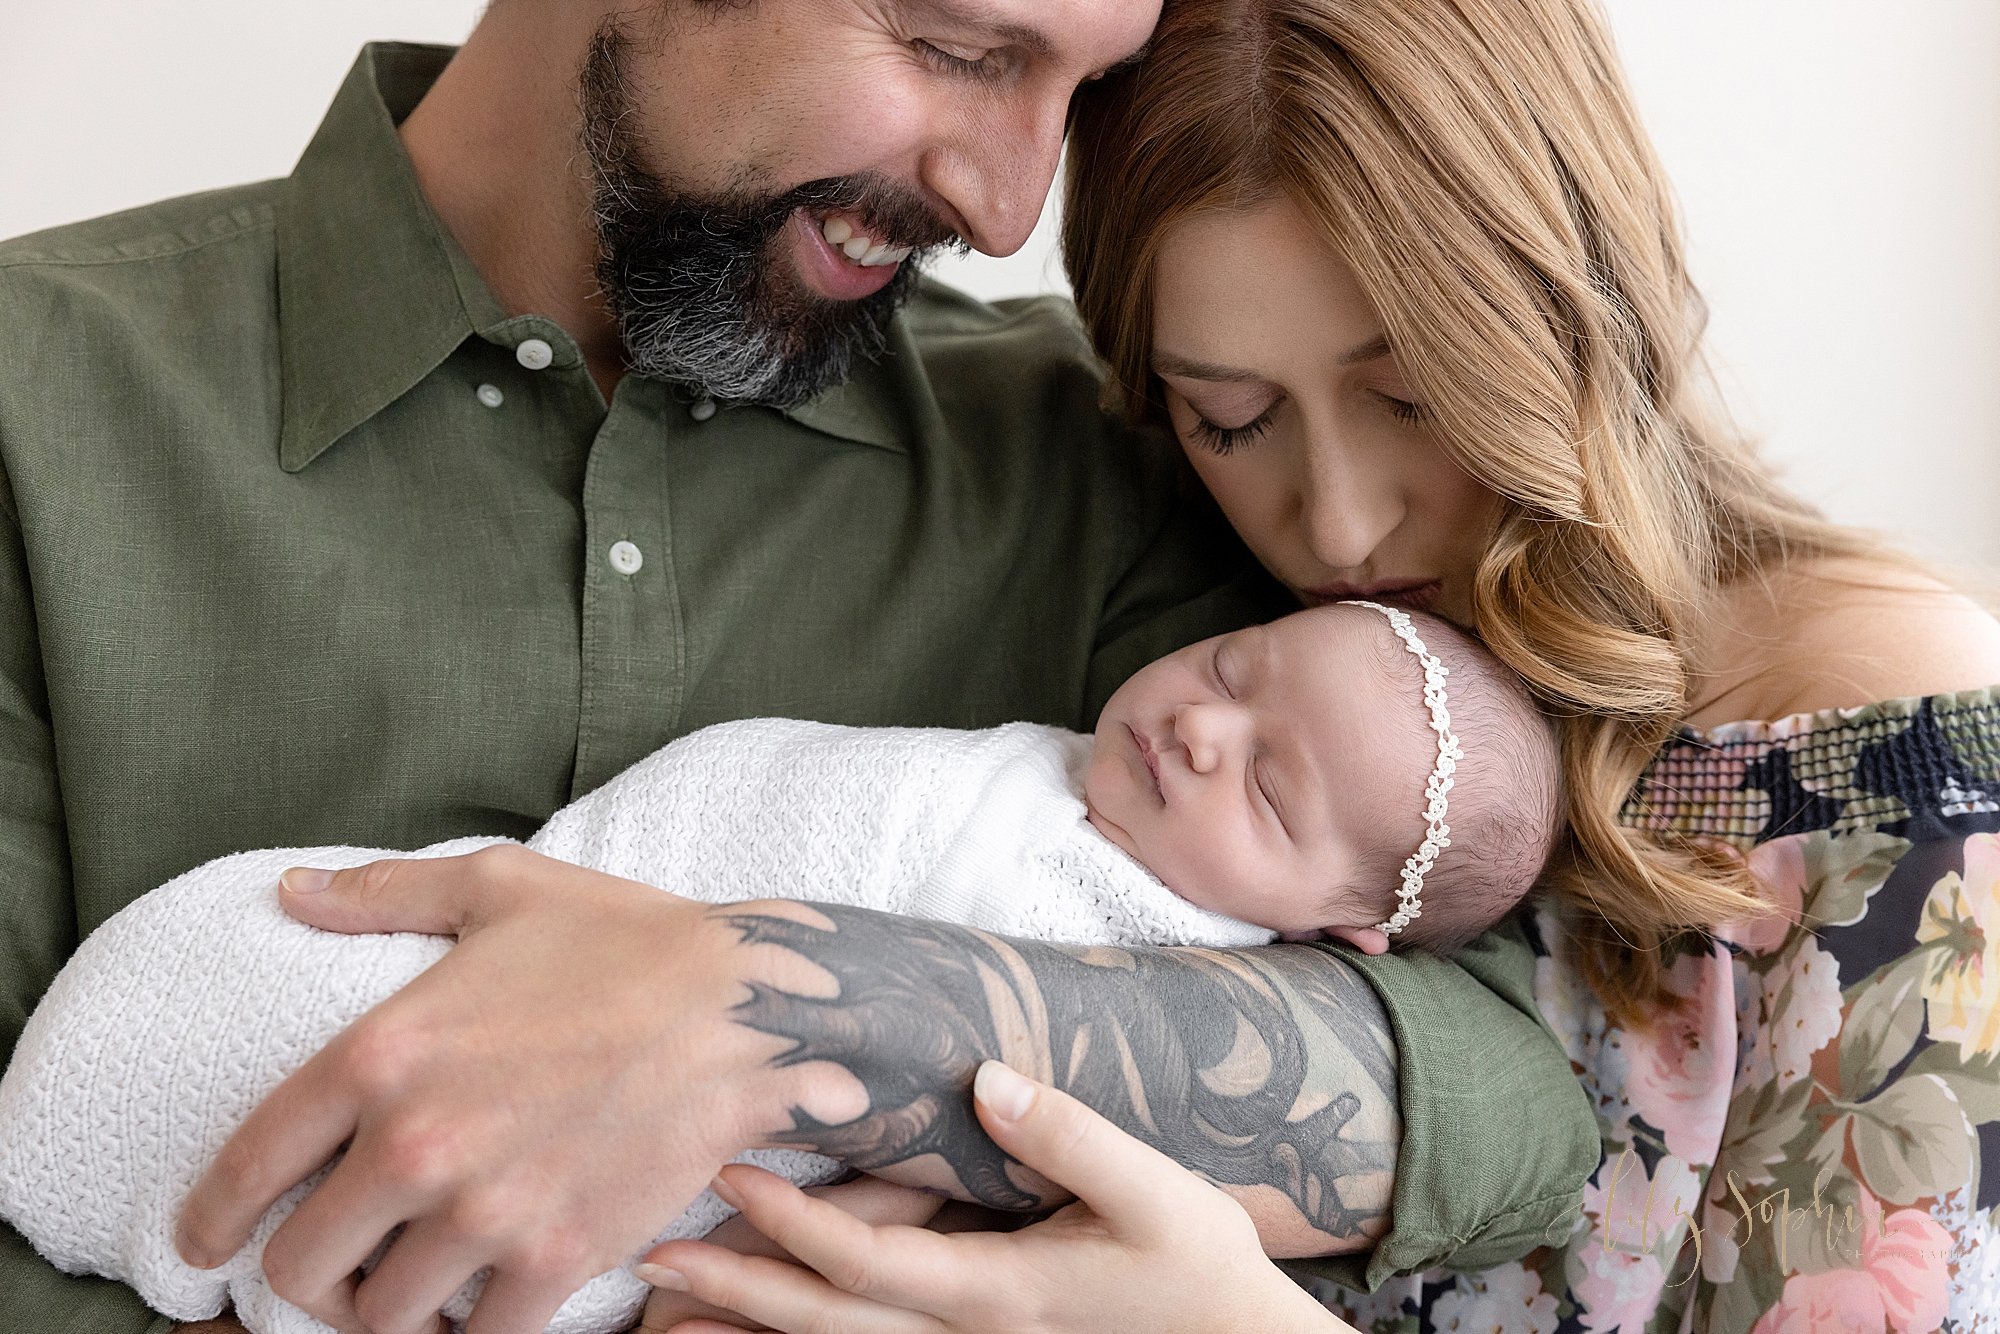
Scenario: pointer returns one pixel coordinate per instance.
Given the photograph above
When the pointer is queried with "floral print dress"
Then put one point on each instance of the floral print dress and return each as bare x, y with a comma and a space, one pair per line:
1811, 1140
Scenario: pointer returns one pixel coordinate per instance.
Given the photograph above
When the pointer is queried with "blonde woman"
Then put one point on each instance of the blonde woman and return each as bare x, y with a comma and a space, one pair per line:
1403, 278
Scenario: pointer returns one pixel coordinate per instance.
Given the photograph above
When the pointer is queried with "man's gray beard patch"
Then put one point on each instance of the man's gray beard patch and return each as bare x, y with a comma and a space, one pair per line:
683, 333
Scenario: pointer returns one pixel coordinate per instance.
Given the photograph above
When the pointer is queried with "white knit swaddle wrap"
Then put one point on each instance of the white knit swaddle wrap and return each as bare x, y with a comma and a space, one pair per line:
179, 1014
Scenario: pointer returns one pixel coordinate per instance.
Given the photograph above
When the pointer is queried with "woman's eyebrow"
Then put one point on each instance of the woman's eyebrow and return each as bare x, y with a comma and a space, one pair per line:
1378, 346
1170, 363
1193, 368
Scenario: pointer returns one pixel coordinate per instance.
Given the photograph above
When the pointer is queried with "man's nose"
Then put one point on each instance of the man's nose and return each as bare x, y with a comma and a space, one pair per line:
997, 176
1346, 512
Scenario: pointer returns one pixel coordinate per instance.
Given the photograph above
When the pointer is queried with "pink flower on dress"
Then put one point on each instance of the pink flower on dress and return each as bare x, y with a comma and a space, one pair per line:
1901, 1284
1619, 1291
1780, 871
1906, 1254
1680, 1070
1638, 1212
1839, 1299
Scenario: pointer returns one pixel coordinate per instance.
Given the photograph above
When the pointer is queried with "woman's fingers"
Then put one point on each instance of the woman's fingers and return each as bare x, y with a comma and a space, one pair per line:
903, 1265
868, 1198
873, 1200
781, 1296
1130, 1185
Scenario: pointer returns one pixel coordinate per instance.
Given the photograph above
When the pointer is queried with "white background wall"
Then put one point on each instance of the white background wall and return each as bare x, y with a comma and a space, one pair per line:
1838, 161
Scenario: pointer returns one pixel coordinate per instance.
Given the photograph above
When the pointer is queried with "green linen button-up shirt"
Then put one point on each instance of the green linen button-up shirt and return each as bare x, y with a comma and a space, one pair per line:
303, 540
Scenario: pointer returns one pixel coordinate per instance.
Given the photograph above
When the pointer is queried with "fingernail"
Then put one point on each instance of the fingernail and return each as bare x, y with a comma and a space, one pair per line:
189, 1252
727, 1193
1004, 1091
305, 880
662, 1277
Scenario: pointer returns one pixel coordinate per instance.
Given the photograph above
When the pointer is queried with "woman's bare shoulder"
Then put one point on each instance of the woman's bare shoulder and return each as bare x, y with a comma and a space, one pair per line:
1838, 634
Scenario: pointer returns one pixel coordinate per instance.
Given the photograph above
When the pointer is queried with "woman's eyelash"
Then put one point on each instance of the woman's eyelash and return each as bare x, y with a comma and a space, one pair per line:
983, 68
1215, 669
1225, 439
1402, 409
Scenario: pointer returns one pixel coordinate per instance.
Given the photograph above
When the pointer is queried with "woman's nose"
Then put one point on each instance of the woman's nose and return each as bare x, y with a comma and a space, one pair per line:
1346, 513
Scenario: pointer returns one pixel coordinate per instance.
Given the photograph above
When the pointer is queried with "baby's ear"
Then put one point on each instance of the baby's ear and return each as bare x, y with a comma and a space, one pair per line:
1364, 938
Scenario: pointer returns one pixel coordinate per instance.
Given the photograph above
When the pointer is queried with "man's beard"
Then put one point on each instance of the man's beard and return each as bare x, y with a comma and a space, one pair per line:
699, 285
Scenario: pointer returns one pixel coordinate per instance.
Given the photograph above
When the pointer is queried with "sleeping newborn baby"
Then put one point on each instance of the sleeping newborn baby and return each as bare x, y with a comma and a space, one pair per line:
1334, 771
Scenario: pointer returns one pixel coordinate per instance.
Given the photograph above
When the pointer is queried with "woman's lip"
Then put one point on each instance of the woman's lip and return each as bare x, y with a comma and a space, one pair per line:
1410, 594
826, 270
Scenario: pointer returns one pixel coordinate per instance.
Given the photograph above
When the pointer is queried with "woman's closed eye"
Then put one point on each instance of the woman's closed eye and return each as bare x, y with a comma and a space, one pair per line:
1221, 439
1402, 408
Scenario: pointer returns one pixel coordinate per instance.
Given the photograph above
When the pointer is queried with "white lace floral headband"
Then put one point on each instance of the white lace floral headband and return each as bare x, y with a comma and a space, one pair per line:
1437, 834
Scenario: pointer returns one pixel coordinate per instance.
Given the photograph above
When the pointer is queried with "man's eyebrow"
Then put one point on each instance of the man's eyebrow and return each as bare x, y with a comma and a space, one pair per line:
973, 15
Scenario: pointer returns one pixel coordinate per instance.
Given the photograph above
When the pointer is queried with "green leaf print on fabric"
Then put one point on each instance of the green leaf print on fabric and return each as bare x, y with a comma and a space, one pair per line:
1885, 1013
1772, 1118
1976, 1083
1914, 1141
1822, 1229
1819, 1151
1733, 1307
1845, 872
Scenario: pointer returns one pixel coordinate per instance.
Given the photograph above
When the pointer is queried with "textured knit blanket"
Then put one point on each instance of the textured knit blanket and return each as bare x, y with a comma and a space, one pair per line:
176, 1017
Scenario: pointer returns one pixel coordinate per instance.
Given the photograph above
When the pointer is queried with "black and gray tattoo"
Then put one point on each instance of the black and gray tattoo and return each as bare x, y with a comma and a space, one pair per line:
1271, 1067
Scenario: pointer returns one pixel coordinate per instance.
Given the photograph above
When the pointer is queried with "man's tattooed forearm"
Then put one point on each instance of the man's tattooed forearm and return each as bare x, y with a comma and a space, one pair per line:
1271, 1067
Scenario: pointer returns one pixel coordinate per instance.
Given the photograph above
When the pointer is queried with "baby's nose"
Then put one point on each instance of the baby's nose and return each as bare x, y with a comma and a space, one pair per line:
1199, 732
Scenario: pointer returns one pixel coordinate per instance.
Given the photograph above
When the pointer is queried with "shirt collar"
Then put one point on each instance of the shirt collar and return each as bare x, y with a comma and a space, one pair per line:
374, 293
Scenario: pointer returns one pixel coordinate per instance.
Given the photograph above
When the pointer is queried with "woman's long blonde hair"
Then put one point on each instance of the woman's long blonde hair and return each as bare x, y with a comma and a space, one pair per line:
1479, 166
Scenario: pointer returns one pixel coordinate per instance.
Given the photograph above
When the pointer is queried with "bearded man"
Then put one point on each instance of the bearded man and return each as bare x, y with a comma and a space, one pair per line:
578, 390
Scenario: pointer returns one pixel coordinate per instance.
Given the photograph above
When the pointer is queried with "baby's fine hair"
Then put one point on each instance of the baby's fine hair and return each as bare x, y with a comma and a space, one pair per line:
1506, 797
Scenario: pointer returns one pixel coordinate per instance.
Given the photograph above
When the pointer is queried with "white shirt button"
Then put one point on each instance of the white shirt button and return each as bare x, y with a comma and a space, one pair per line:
490, 395
703, 409
534, 354
626, 558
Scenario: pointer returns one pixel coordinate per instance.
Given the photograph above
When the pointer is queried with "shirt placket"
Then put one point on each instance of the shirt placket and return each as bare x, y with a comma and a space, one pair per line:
633, 646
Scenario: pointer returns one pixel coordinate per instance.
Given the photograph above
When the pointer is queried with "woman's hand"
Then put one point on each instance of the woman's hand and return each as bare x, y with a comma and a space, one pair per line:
870, 1199
1148, 1246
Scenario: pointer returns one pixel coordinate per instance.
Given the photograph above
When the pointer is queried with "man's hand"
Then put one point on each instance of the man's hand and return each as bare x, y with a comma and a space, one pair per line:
548, 1096
544, 1100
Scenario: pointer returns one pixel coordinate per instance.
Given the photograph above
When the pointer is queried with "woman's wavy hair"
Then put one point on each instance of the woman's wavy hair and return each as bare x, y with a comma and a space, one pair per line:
1479, 166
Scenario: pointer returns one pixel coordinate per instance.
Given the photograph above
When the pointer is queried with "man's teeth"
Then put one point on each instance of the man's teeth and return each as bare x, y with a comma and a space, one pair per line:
860, 247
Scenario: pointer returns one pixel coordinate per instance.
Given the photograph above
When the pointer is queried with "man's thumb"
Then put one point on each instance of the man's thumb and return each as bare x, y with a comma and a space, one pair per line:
430, 894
